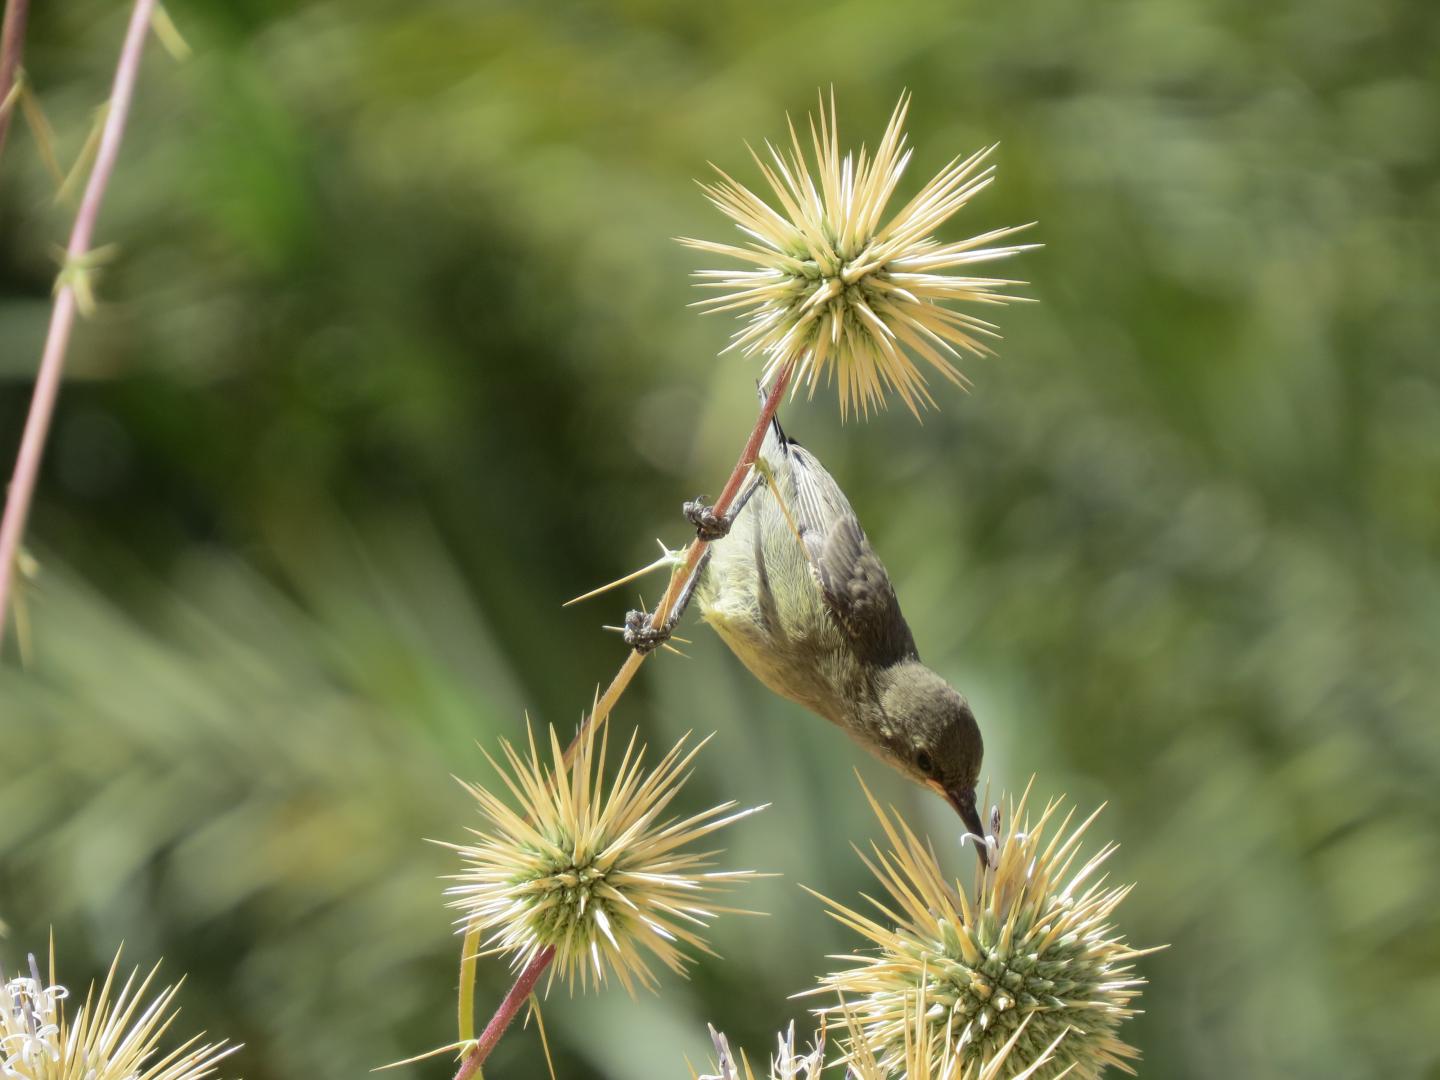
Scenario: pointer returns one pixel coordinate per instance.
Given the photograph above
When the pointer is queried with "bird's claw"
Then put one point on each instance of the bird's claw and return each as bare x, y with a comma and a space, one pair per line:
709, 526
640, 635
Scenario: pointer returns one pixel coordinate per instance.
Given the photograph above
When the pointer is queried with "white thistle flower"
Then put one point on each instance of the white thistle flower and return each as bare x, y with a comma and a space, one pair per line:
834, 293
787, 1064
107, 1039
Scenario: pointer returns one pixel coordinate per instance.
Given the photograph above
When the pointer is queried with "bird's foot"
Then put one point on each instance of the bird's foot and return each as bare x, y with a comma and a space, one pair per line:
640, 635
709, 526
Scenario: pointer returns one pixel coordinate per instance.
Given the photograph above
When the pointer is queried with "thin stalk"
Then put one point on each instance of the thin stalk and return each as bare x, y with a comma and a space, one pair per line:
62, 316
519, 993
693, 554
470, 1066
469, 954
12, 45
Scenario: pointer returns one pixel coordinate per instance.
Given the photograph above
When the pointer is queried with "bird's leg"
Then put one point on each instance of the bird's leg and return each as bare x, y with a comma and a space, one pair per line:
710, 526
641, 636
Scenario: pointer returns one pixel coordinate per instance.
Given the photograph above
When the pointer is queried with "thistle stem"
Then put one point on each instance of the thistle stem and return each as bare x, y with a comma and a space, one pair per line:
519, 993
62, 316
525, 982
693, 554
12, 44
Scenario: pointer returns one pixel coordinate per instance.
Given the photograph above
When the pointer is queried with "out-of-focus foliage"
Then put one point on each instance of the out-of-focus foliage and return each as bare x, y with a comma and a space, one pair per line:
394, 357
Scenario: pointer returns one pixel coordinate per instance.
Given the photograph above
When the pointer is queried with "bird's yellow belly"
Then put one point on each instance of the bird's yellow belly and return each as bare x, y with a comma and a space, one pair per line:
794, 669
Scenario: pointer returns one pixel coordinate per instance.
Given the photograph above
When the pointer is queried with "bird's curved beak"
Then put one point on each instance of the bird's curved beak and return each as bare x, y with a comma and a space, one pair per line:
963, 800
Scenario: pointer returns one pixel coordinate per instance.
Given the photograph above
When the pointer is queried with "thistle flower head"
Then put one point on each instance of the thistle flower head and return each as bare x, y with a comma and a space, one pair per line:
108, 1039
832, 289
920, 1061
1031, 958
602, 876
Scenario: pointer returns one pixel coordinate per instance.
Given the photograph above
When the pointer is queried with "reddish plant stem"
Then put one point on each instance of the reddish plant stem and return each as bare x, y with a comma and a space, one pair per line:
693, 554
62, 317
525, 982
12, 44
520, 992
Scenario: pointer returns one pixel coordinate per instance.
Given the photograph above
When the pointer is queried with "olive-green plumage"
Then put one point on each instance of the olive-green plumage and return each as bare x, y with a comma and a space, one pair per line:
805, 603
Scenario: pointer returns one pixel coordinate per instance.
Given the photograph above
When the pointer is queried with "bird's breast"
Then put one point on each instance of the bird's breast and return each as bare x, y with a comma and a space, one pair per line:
761, 596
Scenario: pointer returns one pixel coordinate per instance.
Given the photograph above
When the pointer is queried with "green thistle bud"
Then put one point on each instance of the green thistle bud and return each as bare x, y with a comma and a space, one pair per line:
1031, 959
923, 1059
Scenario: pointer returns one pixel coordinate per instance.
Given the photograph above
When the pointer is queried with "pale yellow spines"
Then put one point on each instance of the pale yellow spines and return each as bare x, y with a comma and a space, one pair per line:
597, 873
1033, 956
838, 294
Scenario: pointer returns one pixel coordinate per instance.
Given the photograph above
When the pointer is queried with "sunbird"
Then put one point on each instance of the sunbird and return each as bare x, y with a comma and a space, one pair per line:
793, 587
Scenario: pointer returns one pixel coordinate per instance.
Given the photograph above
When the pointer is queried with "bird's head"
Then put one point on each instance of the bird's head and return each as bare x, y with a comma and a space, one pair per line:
930, 734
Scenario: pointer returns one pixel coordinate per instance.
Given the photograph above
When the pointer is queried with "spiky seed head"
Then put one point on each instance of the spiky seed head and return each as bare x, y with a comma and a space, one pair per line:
601, 875
113, 1036
920, 1061
1032, 957
836, 292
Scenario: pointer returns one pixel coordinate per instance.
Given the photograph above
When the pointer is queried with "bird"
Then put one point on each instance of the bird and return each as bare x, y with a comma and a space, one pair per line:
792, 585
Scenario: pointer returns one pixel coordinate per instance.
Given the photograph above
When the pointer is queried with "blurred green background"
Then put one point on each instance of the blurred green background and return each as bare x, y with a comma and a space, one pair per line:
394, 357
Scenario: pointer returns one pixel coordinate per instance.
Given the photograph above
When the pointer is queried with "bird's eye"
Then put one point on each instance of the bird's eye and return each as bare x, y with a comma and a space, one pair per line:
924, 762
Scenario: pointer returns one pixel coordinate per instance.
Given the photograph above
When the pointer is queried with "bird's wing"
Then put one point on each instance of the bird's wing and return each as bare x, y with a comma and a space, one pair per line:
852, 578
